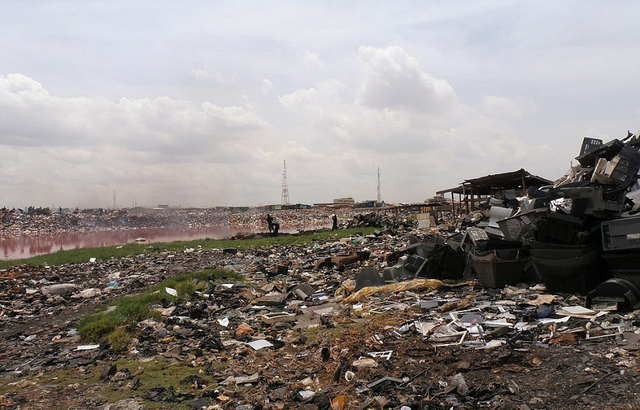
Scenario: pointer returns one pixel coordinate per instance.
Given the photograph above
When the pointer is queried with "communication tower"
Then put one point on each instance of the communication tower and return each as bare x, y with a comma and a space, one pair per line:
379, 196
285, 188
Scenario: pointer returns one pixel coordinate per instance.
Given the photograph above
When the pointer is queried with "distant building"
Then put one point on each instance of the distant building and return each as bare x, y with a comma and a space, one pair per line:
346, 200
371, 203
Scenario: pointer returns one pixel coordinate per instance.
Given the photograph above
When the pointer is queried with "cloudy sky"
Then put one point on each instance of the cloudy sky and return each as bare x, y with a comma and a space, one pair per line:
199, 103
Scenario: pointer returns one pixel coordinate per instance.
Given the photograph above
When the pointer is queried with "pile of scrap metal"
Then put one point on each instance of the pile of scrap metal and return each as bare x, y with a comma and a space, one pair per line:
379, 220
580, 235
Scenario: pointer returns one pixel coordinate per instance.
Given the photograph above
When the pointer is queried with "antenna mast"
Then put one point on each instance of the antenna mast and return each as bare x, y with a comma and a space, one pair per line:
285, 188
379, 196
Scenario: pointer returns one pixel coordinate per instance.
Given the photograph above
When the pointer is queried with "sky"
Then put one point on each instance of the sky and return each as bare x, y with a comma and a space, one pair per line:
200, 103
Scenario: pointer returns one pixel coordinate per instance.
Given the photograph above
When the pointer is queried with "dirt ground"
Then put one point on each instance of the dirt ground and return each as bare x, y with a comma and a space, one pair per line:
576, 375
327, 365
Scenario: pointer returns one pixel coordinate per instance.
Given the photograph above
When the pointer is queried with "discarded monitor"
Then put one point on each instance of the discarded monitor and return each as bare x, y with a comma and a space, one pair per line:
577, 275
625, 294
621, 234
368, 277
496, 272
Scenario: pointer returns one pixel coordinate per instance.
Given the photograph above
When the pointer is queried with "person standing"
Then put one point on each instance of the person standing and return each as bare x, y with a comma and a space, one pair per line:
334, 218
270, 223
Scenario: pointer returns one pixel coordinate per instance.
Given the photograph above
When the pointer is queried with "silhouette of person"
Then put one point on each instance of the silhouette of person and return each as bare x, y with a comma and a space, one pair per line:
270, 223
334, 218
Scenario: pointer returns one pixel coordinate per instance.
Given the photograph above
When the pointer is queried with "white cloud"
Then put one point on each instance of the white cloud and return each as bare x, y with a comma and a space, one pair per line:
266, 86
212, 75
29, 115
318, 99
394, 80
438, 145
311, 60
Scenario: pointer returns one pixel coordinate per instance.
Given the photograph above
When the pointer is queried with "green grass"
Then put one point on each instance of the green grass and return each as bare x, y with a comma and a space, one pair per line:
116, 321
83, 255
159, 371
163, 372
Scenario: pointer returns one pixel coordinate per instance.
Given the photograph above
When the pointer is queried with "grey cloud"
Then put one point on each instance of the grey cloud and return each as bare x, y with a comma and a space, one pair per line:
31, 116
464, 89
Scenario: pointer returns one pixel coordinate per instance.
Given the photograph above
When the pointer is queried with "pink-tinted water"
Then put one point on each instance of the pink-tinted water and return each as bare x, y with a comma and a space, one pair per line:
28, 246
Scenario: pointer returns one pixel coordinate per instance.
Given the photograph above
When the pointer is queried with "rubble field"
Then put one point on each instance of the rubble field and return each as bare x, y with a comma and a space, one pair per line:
44, 221
285, 337
531, 300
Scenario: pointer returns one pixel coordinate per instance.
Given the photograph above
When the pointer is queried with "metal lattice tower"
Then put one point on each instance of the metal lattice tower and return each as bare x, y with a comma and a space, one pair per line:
285, 188
379, 196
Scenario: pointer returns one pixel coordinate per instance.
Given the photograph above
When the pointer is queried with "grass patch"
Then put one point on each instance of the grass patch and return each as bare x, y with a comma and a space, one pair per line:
83, 255
317, 334
115, 321
119, 338
159, 371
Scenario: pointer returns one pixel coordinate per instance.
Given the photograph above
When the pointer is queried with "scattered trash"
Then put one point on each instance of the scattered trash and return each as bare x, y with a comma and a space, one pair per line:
87, 347
528, 299
259, 344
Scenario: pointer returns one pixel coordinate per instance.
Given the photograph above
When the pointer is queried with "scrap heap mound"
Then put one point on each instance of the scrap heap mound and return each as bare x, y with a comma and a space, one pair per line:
534, 309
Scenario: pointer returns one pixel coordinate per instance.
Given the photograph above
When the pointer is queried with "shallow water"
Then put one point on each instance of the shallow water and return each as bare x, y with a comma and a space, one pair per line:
28, 246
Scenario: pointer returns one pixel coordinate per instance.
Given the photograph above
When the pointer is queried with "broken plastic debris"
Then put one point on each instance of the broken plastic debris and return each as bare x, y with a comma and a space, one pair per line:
425, 328
254, 378
491, 344
260, 344
271, 318
386, 355
428, 304
575, 311
384, 379
87, 347
87, 293
171, 291
364, 363
460, 384
541, 300
497, 323
306, 394
549, 320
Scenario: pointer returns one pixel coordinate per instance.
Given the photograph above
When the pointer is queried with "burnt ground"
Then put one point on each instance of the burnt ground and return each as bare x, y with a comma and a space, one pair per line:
316, 361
